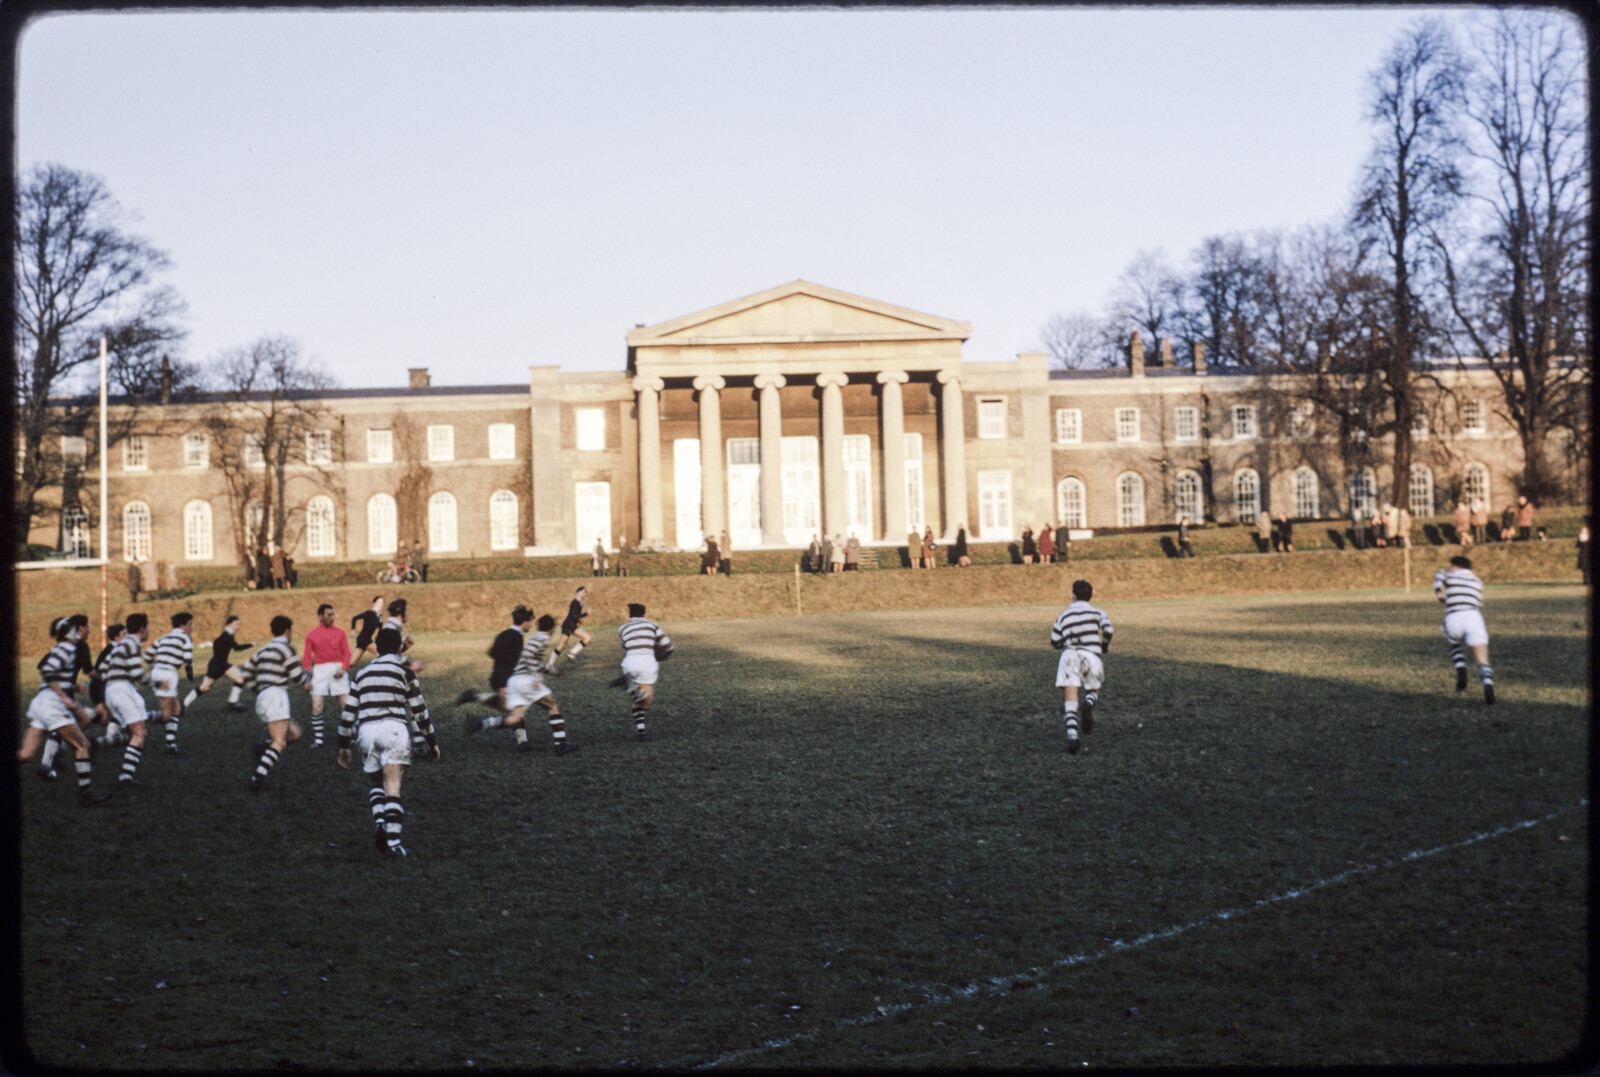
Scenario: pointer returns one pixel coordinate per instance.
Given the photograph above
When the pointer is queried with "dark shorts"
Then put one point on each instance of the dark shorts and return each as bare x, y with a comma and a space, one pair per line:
97, 692
217, 668
568, 627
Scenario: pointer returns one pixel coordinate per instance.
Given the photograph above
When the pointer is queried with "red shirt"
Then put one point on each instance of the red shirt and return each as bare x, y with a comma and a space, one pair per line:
327, 643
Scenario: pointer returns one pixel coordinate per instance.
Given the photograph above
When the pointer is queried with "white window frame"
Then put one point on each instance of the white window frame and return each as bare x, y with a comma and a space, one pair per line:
136, 532
590, 428
1127, 425
1364, 491
1188, 502
251, 452
197, 537
443, 523
1130, 499
994, 505
1472, 417
1302, 420
319, 447
321, 537
441, 443
503, 443
1067, 490
1186, 423
74, 446
1420, 498
1476, 489
1069, 426
196, 452
1420, 427
591, 503
915, 509
991, 417
380, 446
504, 522
383, 525
75, 532
1244, 422
1306, 493
1246, 495
136, 453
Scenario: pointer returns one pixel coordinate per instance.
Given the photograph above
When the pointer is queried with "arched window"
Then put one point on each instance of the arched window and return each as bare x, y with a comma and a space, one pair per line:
1305, 493
1363, 491
441, 523
1421, 490
136, 531
1186, 494
1477, 484
1246, 495
1130, 500
382, 538
197, 531
319, 527
503, 520
1070, 503
75, 531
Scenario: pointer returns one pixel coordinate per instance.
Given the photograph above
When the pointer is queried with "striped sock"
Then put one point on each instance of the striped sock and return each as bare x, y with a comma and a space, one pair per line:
52, 745
130, 763
638, 719
1486, 675
172, 732
268, 760
316, 730
378, 801
83, 767
1458, 657
558, 728
394, 817
1091, 699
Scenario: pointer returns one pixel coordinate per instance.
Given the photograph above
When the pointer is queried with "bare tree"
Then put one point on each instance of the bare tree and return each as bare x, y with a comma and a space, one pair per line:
266, 413
79, 275
1148, 297
1080, 341
1222, 301
1519, 289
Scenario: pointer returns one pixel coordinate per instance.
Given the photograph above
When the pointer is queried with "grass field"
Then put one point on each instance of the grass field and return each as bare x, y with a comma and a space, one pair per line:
856, 840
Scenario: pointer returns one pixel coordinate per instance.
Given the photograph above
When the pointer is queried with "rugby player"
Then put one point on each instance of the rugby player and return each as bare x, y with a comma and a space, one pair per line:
1461, 591
54, 711
644, 648
327, 662
219, 666
526, 687
1082, 633
270, 672
384, 698
172, 650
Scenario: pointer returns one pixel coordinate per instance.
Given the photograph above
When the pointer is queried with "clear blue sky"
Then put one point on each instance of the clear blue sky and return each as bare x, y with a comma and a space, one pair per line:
475, 192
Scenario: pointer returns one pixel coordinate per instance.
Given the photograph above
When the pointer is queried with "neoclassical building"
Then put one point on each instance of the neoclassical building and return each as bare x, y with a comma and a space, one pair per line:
798, 411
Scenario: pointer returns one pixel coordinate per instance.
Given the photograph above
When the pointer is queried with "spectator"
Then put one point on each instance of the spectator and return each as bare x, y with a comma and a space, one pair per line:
1480, 522
419, 559
813, 556
914, 549
263, 569
1508, 521
1047, 544
1391, 525
1285, 540
930, 549
836, 555
852, 553
1357, 539
1030, 552
1524, 519
1265, 536
1381, 519
280, 571
826, 564
1583, 550
624, 551
133, 581
598, 562
1463, 518
725, 556
711, 558
1063, 544
958, 552
1402, 528
1184, 548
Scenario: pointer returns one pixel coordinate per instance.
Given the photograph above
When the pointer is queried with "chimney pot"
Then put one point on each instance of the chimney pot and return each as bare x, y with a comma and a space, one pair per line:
166, 380
1200, 358
1136, 355
420, 378
1166, 351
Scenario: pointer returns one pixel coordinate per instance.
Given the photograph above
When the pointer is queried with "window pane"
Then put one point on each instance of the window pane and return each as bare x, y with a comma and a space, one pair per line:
503, 520
1305, 494
591, 428
136, 531
380, 446
196, 451
1130, 501
319, 527
136, 453
1187, 496
1069, 425
319, 446
991, 418
1069, 503
1421, 490
1127, 424
441, 443
502, 441
441, 523
381, 525
1246, 496
1477, 484
197, 531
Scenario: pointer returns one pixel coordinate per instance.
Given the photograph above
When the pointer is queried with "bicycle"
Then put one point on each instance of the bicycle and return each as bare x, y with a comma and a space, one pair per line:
399, 573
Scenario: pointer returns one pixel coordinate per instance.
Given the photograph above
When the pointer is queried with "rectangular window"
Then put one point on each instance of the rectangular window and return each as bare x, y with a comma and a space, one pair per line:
502, 441
592, 514
1187, 423
1472, 416
441, 443
380, 446
196, 451
136, 453
74, 451
994, 505
1069, 426
1419, 428
1244, 420
591, 427
319, 446
914, 510
1127, 424
1302, 420
991, 418
253, 456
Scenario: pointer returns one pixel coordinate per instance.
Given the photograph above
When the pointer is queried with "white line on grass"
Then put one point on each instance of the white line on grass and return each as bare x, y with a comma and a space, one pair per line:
994, 986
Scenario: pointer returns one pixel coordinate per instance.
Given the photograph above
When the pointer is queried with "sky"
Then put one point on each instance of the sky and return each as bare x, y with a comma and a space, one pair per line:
476, 192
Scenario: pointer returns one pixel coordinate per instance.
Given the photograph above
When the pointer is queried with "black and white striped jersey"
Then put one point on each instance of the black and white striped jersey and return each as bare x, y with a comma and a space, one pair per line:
643, 634
1461, 588
385, 688
125, 662
274, 666
532, 658
60, 666
1082, 627
173, 649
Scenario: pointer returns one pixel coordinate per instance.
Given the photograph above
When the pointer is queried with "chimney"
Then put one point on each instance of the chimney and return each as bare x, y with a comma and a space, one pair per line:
1200, 358
166, 380
1166, 352
1136, 355
419, 377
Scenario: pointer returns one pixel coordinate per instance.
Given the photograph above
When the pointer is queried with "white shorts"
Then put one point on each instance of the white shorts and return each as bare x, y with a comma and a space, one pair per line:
1466, 626
124, 702
48, 713
272, 704
329, 679
164, 679
1079, 669
525, 689
640, 667
383, 743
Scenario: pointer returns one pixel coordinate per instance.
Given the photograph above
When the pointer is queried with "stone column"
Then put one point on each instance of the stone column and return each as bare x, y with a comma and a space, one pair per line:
771, 459
953, 456
650, 532
833, 509
713, 502
893, 439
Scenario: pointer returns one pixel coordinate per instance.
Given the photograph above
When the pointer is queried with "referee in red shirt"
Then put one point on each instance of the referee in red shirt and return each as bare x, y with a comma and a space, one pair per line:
327, 659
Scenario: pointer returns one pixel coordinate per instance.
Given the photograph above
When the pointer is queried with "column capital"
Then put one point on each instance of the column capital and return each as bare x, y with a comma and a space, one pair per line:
771, 381
642, 383
899, 377
950, 377
835, 380
710, 381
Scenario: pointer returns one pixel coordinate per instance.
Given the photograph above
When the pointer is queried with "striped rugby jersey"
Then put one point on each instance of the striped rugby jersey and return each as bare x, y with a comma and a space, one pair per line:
173, 649
532, 658
125, 662
274, 666
385, 688
643, 634
1081, 628
1461, 588
60, 666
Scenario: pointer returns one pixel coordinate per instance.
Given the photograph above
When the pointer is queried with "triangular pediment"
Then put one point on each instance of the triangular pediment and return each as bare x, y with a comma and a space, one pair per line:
799, 311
